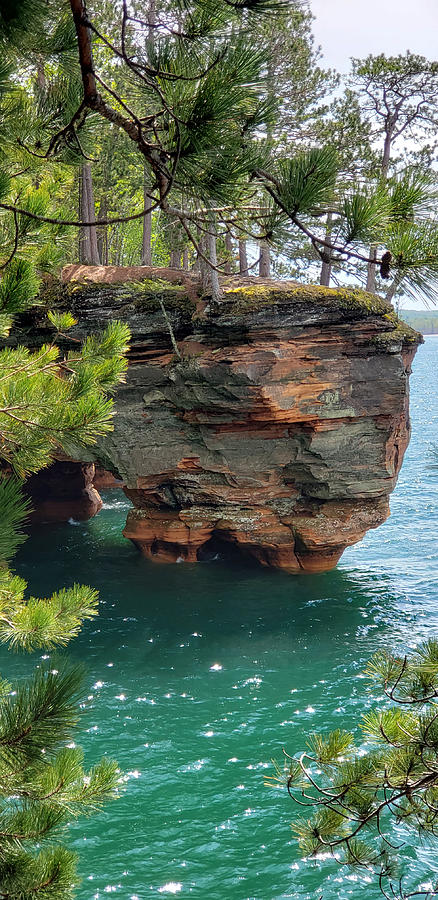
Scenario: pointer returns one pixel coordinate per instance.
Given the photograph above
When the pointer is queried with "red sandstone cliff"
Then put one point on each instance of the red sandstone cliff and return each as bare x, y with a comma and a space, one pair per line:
282, 428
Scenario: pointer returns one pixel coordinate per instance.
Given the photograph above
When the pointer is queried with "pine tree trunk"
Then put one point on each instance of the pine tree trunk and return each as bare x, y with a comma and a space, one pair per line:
202, 264
212, 253
326, 267
371, 271
390, 294
185, 264
102, 233
175, 259
41, 75
146, 247
89, 215
243, 258
372, 268
264, 261
229, 252
209, 276
84, 233
326, 271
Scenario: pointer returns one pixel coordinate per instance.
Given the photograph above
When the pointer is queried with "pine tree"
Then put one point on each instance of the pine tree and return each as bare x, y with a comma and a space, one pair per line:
353, 795
399, 94
196, 107
48, 401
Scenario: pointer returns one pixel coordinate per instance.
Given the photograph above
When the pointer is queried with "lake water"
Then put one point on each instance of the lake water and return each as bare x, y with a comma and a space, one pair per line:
198, 675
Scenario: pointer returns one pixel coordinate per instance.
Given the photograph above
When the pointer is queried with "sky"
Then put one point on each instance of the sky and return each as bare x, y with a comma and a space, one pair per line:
346, 28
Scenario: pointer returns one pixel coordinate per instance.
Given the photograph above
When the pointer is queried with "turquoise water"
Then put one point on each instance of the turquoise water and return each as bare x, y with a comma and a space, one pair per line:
198, 675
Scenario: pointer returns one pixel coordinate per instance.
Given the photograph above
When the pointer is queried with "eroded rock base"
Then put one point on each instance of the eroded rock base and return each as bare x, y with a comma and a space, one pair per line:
63, 491
311, 542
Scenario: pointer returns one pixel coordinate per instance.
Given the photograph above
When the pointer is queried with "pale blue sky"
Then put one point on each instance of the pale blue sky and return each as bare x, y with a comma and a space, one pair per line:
346, 28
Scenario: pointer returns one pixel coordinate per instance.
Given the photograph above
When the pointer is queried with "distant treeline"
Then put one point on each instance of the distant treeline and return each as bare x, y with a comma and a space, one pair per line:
425, 321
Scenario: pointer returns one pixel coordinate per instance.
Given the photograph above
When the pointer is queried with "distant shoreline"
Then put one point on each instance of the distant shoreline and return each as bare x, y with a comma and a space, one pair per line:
425, 321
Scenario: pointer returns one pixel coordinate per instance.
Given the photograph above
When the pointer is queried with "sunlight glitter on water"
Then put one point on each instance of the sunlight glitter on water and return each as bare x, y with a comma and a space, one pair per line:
292, 652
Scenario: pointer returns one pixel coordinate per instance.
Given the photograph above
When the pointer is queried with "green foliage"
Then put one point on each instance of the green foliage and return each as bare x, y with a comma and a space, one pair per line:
413, 194
18, 286
364, 215
406, 85
356, 794
307, 180
31, 624
61, 321
220, 92
414, 248
330, 748
44, 783
13, 510
48, 400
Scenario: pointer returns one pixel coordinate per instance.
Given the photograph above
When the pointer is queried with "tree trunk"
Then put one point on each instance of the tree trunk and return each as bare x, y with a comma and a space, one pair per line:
152, 18
371, 271
146, 247
204, 268
326, 267
390, 294
326, 272
175, 259
209, 275
102, 233
387, 153
371, 268
185, 263
84, 233
229, 252
243, 258
89, 215
212, 253
41, 75
264, 261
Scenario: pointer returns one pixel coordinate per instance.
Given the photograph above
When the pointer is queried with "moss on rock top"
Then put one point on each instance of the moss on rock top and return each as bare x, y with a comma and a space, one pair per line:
247, 298
131, 287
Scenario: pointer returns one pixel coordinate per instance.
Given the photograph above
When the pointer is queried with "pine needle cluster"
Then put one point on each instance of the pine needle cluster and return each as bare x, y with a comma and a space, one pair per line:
363, 800
49, 401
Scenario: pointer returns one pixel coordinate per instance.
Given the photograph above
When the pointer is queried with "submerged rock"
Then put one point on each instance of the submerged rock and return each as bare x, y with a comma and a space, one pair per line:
281, 427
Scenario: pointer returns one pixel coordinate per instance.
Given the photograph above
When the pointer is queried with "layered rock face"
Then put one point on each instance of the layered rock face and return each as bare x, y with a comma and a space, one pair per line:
281, 428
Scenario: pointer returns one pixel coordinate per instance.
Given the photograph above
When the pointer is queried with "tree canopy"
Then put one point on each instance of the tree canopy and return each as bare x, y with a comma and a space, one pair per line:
188, 90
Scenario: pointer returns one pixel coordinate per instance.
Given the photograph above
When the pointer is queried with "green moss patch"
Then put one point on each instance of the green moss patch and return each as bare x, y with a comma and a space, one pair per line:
148, 293
144, 295
400, 332
239, 300
250, 298
247, 299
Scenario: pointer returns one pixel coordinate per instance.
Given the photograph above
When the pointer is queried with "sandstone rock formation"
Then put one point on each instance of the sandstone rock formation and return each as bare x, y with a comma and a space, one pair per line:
63, 491
281, 428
